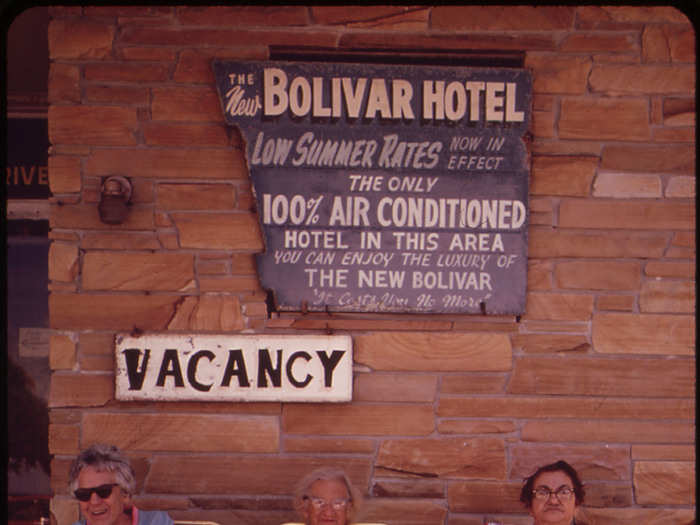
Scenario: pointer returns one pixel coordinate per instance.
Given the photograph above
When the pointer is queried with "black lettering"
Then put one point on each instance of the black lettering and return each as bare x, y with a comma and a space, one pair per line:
170, 367
290, 364
135, 375
235, 367
265, 368
192, 370
329, 364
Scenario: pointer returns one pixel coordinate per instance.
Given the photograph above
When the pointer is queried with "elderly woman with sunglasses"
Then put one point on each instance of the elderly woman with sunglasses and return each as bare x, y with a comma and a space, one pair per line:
326, 497
102, 480
553, 493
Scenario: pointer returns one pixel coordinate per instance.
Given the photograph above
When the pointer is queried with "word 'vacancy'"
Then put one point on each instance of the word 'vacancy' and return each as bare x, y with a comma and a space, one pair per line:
390, 99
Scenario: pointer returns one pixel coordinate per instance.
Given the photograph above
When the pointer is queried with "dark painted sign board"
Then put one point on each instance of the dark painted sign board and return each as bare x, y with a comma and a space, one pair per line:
386, 188
26, 172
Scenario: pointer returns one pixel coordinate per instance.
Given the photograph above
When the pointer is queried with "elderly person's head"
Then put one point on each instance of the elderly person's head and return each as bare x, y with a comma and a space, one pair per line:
326, 497
102, 480
553, 493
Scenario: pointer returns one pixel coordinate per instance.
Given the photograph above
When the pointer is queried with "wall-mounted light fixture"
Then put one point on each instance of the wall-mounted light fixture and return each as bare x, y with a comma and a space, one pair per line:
115, 199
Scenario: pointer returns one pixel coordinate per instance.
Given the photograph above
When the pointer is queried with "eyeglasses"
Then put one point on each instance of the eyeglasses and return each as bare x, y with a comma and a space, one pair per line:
103, 491
319, 503
562, 493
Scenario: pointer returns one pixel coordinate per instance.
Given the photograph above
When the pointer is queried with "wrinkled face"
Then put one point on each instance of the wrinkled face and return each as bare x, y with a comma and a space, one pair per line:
328, 503
103, 511
553, 510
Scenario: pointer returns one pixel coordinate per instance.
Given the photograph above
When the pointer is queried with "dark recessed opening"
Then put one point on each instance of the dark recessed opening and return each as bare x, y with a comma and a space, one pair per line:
418, 57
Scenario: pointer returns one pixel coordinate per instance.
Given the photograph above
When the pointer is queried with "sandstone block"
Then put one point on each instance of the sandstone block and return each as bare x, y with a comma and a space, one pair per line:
119, 241
565, 408
666, 296
621, 303
123, 95
226, 474
471, 41
184, 134
664, 452
219, 164
635, 516
584, 42
604, 118
407, 20
138, 271
554, 73
64, 174
640, 215
655, 44
239, 15
236, 283
502, 18
558, 306
81, 390
80, 39
636, 79
682, 44
86, 217
539, 275
664, 482
358, 419
132, 72
673, 269
64, 83
671, 158
63, 262
592, 275
164, 432
395, 388
630, 333
61, 352
93, 125
325, 323
681, 187
548, 243
149, 54
311, 445
406, 512
196, 196
208, 313
64, 439
610, 377
186, 104
449, 351
472, 384
543, 124
570, 176
219, 231
453, 426
633, 14
452, 458
608, 431
592, 462
482, 496
194, 65
415, 488
686, 134
110, 312
626, 185
550, 343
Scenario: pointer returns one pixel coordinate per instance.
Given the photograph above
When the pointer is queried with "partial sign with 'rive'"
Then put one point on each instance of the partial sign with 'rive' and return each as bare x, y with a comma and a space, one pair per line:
234, 368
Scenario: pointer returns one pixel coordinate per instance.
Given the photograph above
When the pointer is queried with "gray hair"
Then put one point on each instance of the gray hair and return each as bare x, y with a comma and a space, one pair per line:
303, 488
104, 458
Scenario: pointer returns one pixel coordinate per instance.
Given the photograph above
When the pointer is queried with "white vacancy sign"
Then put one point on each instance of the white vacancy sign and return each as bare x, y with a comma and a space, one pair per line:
234, 368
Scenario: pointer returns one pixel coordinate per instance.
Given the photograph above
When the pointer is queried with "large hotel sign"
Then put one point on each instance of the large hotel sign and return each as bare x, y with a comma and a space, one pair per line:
386, 188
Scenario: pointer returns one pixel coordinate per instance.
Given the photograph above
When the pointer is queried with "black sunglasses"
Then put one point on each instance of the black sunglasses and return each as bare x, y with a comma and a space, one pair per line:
103, 491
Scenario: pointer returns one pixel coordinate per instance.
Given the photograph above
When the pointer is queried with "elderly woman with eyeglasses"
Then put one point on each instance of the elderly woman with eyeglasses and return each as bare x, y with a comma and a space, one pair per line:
102, 480
326, 497
553, 493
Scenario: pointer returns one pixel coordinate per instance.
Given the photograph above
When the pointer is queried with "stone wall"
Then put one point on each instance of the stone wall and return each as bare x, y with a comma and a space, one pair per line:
450, 412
